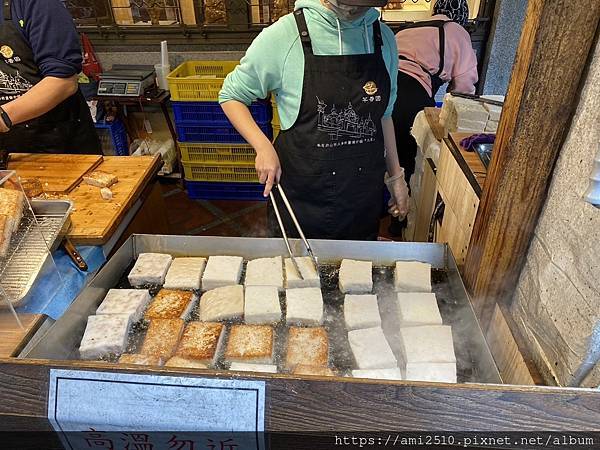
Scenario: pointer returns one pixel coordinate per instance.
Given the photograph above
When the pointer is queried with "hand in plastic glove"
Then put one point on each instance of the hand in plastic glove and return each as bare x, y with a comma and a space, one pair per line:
268, 168
399, 191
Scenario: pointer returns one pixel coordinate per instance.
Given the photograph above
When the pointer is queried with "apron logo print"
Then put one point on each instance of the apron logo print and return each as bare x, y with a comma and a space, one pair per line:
370, 88
6, 51
13, 84
345, 123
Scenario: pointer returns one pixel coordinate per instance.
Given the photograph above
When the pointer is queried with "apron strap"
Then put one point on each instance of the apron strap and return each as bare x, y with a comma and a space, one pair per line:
439, 24
424, 23
404, 58
442, 49
303, 31
377, 39
305, 36
6, 9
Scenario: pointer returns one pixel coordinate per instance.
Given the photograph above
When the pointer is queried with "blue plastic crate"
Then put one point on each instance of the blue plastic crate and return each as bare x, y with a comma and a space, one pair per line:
211, 113
113, 138
201, 190
223, 134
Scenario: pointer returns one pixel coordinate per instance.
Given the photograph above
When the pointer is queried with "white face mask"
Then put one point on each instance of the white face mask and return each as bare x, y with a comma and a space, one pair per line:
346, 12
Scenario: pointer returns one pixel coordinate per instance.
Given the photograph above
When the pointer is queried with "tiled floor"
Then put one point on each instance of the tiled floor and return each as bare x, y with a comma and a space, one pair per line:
220, 217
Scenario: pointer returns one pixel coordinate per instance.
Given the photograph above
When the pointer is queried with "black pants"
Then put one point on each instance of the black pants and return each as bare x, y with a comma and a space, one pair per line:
412, 98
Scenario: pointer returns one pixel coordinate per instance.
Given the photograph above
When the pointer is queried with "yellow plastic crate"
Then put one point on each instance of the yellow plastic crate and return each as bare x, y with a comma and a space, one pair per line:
221, 154
199, 81
276, 130
275, 121
213, 172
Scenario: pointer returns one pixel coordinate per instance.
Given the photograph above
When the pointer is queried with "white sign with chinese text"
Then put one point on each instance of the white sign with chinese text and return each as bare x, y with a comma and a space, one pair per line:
117, 411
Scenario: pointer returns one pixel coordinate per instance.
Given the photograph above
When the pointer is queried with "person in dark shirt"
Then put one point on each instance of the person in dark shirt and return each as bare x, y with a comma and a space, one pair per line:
41, 107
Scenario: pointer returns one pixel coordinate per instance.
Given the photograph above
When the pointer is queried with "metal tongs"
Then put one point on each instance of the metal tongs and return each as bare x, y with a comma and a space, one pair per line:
300, 232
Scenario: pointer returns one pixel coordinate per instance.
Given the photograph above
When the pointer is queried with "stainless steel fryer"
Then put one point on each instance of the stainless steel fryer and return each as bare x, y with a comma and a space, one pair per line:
62, 340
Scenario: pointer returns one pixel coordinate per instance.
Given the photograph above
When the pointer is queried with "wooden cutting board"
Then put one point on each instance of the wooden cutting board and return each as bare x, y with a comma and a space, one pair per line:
58, 173
94, 220
12, 337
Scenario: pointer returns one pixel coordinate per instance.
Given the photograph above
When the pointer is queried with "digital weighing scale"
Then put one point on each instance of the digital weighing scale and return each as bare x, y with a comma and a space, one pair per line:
125, 80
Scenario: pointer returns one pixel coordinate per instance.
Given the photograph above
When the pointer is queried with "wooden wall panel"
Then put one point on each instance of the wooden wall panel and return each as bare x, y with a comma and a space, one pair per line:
461, 203
504, 348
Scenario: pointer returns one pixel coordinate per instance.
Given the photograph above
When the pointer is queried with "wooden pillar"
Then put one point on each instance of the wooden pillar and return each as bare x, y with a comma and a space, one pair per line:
542, 97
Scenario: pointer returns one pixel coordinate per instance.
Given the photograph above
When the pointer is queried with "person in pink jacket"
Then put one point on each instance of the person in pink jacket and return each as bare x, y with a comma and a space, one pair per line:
431, 53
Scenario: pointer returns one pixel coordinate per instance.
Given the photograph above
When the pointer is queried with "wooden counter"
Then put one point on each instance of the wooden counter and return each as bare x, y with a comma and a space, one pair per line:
94, 220
12, 337
460, 178
455, 180
311, 404
59, 173
469, 162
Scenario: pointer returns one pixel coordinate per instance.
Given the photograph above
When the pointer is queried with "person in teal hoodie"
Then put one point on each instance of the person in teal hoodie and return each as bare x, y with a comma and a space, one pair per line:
332, 66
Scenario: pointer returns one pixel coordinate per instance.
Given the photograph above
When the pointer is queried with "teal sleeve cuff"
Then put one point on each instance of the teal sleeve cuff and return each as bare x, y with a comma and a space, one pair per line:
236, 88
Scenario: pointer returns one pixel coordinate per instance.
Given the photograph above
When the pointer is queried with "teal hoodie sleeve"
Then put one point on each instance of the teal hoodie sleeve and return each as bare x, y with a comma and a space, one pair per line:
274, 61
260, 70
390, 57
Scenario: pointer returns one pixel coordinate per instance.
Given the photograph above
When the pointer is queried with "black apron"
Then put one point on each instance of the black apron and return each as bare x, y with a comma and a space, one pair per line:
68, 128
436, 81
332, 158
